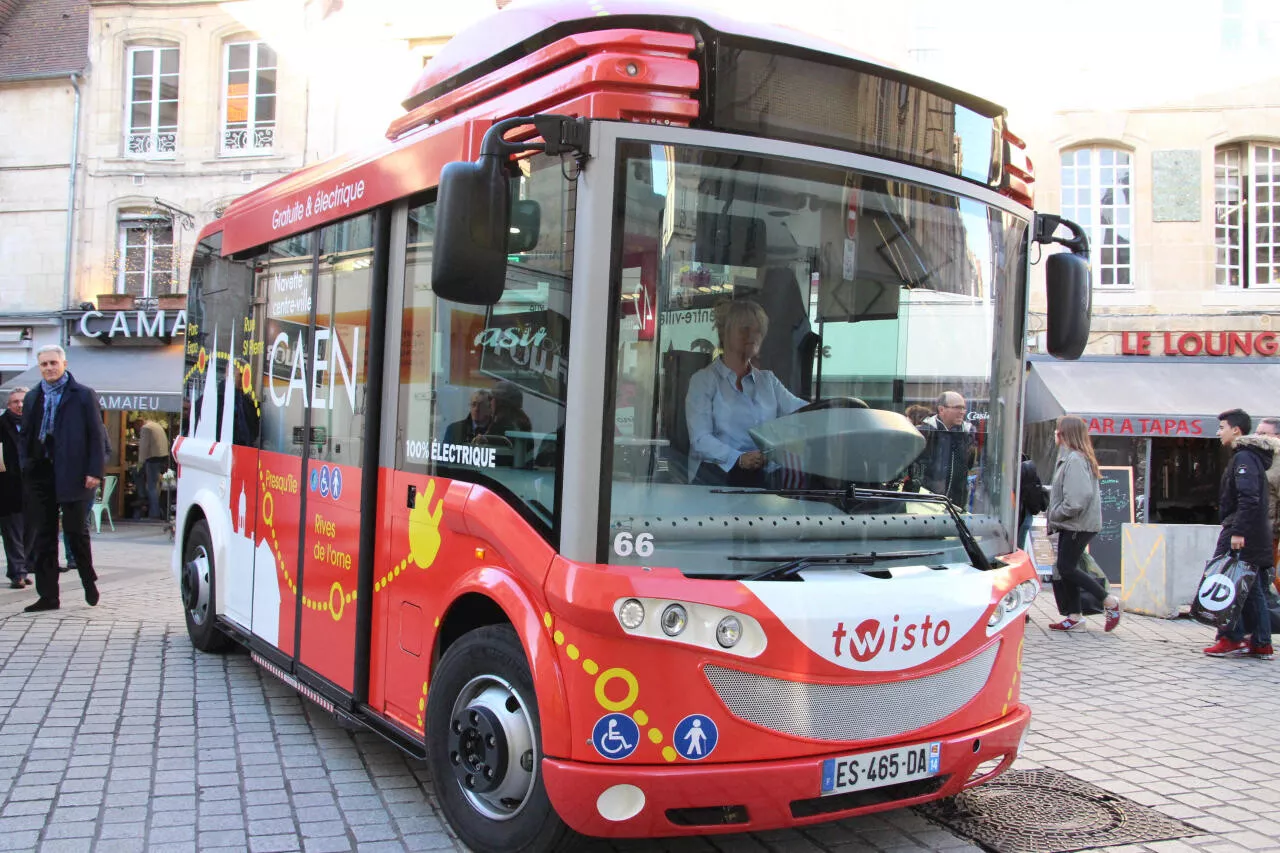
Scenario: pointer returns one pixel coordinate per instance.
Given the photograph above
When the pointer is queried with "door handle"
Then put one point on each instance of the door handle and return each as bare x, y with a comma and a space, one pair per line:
412, 499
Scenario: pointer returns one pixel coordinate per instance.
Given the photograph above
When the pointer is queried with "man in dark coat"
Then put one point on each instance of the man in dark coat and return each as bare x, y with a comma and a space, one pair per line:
1246, 530
63, 447
950, 451
14, 530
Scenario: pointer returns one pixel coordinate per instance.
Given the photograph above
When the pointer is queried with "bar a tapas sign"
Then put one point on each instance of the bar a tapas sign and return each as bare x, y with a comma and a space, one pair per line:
1228, 344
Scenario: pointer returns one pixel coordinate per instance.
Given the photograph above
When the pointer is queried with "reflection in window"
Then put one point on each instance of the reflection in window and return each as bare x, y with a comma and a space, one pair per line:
1247, 216
146, 259
248, 98
482, 390
1096, 194
284, 278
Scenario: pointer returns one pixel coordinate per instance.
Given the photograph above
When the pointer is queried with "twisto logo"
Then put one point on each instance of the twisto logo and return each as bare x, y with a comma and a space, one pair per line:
869, 638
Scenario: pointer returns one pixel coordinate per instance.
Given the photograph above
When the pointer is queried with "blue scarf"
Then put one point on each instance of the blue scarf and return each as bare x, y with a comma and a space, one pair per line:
52, 397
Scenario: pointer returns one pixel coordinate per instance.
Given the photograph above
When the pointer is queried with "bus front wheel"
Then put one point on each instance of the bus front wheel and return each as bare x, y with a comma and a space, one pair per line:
484, 746
198, 588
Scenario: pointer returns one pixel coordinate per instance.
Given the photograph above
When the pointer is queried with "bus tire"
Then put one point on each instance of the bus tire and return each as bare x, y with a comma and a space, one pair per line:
484, 746
199, 590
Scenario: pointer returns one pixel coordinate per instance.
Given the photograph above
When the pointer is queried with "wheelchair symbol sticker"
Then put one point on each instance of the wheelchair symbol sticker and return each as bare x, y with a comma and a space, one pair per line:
337, 483
696, 736
324, 482
615, 736
315, 479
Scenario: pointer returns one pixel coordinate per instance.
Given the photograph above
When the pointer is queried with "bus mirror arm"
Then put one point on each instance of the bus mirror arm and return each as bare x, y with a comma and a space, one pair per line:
1068, 287
560, 135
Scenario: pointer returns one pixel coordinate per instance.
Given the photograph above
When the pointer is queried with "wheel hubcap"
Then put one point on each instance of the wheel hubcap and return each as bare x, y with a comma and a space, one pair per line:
195, 585
491, 747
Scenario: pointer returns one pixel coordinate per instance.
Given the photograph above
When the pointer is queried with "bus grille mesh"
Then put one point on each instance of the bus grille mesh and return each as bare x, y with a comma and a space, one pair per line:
850, 712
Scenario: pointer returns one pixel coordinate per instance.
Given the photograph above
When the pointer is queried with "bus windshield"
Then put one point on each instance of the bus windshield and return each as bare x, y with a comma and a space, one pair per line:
788, 332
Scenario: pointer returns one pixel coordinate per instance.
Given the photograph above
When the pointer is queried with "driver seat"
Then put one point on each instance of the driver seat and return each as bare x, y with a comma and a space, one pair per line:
678, 367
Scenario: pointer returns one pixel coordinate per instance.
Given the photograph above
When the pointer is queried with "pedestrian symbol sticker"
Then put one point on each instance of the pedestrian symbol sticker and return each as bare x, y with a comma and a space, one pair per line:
324, 482
615, 736
315, 479
337, 483
696, 736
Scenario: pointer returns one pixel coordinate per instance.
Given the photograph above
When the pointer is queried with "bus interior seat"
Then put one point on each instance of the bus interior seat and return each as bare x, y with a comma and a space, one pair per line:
678, 367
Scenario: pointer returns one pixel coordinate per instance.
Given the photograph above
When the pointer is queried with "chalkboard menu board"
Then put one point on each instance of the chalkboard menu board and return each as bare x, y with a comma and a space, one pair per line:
1116, 487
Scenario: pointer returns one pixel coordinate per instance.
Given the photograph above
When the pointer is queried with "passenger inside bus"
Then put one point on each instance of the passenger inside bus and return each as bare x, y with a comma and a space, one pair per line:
730, 396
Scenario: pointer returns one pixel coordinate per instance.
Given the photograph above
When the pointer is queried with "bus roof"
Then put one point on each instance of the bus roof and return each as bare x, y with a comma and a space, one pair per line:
524, 27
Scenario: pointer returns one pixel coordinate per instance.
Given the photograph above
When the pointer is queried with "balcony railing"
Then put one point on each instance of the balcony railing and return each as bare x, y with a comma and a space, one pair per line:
243, 141
155, 145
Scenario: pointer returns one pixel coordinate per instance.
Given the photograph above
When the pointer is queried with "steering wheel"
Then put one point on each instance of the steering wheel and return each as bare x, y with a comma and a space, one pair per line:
833, 403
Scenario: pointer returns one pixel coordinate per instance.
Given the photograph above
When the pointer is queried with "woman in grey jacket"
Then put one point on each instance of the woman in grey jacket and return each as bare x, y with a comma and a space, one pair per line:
1075, 512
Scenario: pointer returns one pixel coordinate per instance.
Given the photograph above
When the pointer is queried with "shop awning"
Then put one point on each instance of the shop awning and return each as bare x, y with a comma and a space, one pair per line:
1157, 398
147, 379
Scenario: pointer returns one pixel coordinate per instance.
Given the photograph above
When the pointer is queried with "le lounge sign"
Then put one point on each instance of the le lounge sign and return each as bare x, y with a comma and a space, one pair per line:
1265, 344
113, 325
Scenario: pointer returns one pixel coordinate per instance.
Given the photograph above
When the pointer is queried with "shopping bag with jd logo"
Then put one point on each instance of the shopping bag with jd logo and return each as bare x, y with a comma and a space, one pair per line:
1223, 589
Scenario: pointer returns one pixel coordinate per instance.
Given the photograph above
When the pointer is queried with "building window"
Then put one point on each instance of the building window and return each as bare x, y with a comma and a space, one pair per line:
152, 117
249, 98
146, 263
1246, 216
1096, 194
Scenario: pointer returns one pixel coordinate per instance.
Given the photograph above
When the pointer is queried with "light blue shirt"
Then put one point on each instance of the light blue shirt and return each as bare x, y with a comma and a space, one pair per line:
719, 415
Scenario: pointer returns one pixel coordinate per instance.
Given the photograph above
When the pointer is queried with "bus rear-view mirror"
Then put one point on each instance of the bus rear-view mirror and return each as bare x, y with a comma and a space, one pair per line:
1070, 302
473, 222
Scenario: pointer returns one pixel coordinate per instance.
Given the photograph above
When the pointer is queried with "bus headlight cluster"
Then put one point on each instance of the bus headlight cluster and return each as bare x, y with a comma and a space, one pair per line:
1013, 603
691, 623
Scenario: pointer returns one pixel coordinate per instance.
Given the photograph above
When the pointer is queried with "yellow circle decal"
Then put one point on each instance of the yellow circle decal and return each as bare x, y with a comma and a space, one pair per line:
336, 589
655, 735
641, 717
572, 651
633, 689
268, 508
668, 753
590, 666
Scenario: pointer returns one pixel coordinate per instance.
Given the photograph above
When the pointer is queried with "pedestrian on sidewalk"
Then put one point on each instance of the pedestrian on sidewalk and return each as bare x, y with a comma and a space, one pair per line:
1075, 514
14, 530
153, 459
62, 446
1271, 427
1246, 529
1032, 499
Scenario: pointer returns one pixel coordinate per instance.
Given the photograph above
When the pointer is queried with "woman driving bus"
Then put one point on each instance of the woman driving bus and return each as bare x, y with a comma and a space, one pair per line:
730, 396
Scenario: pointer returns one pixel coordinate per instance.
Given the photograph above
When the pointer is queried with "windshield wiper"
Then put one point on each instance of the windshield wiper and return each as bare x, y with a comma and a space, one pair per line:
846, 499
792, 565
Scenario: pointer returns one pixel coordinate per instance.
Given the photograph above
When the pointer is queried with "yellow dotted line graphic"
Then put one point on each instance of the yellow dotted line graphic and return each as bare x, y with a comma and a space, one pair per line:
603, 680
1014, 682
422, 701
383, 582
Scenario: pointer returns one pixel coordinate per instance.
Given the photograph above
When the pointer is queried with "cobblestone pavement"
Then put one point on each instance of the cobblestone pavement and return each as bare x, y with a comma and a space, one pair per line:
116, 735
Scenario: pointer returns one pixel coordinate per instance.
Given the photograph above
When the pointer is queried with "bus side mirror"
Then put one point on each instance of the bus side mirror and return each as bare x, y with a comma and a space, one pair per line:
477, 225
1068, 288
473, 215
1069, 294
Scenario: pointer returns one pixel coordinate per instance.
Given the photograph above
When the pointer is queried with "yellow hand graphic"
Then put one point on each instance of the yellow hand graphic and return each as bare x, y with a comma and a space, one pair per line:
424, 528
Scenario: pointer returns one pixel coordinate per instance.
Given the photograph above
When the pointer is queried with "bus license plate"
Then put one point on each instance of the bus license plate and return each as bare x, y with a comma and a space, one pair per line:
875, 769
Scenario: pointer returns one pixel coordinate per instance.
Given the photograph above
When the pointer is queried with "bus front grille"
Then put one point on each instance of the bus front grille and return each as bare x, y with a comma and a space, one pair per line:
851, 712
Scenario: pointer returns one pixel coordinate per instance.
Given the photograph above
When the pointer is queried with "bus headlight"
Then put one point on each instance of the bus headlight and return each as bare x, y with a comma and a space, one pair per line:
996, 615
631, 614
674, 620
729, 631
1030, 589
1012, 599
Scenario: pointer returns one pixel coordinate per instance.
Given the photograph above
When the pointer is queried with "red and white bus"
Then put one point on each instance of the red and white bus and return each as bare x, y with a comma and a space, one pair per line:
454, 458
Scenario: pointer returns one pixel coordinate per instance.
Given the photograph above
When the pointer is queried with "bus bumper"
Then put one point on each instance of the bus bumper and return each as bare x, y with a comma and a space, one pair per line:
686, 799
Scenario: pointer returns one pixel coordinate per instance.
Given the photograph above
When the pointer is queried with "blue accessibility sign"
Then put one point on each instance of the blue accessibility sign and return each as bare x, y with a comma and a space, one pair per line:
695, 737
315, 479
615, 736
337, 483
324, 481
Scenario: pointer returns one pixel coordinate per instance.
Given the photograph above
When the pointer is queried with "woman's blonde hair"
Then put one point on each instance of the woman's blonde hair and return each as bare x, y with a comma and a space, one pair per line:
1075, 434
738, 312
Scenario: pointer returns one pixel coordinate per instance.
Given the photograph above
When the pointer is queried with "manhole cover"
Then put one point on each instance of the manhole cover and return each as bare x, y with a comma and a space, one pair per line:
1044, 811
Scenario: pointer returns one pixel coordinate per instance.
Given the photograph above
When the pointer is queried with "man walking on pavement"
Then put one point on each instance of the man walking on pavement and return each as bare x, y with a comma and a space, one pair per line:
63, 447
1246, 529
14, 530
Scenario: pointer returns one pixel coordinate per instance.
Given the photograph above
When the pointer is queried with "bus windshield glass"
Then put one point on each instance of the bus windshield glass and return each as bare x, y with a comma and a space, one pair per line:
789, 335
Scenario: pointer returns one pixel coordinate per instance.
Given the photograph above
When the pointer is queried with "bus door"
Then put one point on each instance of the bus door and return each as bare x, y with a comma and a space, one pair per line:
337, 376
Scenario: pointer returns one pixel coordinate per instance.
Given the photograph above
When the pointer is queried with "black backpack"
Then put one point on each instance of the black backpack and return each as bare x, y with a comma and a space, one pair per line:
1035, 498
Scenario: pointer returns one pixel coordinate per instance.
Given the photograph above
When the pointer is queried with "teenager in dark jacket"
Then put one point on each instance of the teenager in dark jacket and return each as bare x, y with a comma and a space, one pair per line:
1246, 529
63, 451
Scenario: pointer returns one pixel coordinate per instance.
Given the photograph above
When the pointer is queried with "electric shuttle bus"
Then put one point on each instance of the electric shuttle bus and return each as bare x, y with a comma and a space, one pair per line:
560, 439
